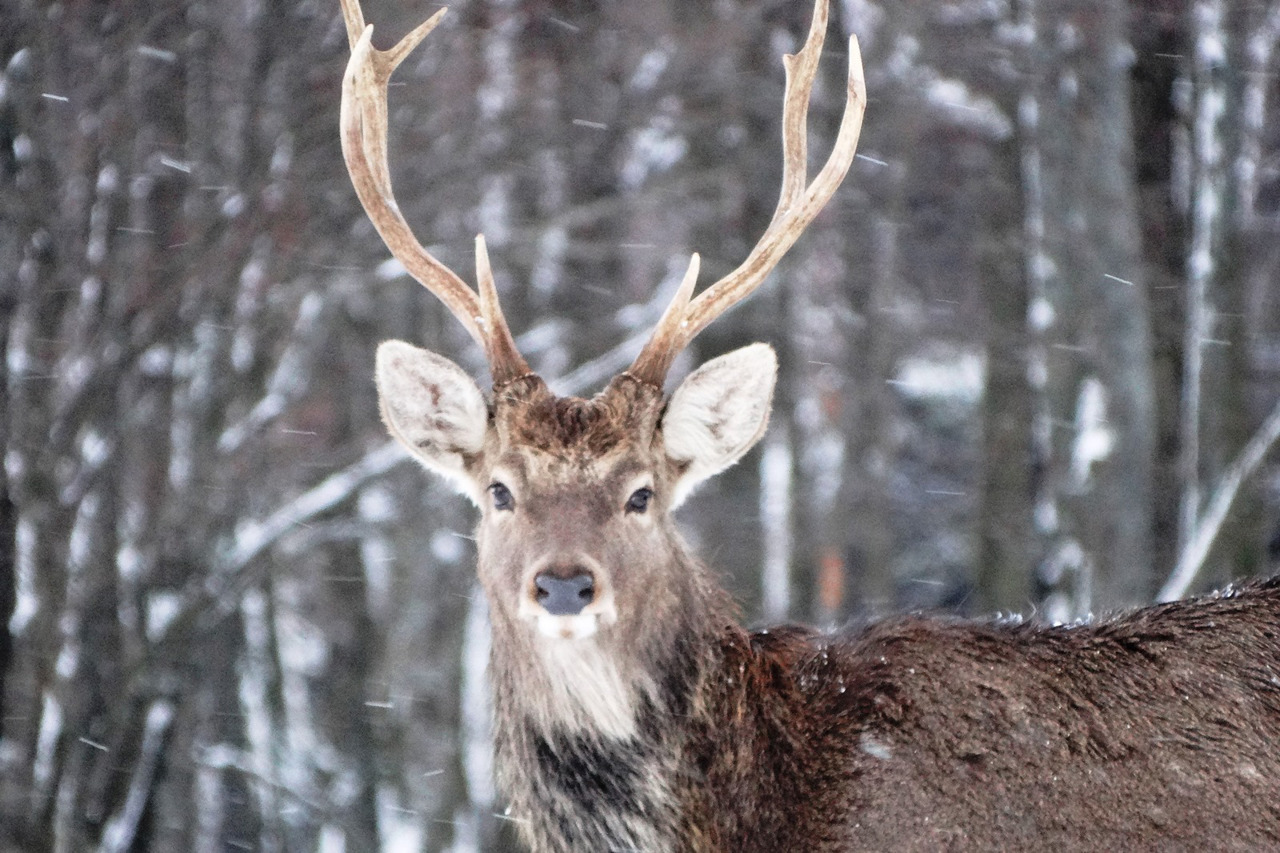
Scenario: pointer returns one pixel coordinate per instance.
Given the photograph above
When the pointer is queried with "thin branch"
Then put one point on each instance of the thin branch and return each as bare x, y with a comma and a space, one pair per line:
121, 831
212, 596
288, 381
254, 537
1206, 224
1206, 531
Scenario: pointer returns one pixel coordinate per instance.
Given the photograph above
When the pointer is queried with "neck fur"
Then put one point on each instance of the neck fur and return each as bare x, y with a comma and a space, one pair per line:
591, 735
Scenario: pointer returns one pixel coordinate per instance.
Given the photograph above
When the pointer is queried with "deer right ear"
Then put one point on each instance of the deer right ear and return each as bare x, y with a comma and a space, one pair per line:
433, 408
718, 413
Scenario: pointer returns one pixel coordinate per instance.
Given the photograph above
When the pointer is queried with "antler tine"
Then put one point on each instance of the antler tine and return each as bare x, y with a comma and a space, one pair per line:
505, 361
797, 204
364, 147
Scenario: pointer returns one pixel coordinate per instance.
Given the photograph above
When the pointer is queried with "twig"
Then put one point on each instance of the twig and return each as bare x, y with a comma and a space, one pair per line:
1206, 530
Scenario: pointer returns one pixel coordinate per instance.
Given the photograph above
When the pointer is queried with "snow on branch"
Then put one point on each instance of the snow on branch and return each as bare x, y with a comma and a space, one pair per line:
121, 830
288, 380
252, 538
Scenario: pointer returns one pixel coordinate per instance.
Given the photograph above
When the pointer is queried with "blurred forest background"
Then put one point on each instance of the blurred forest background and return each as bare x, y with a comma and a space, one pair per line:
1031, 355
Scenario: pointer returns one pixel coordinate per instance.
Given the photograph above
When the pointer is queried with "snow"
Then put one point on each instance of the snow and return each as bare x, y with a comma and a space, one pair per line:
1206, 168
1045, 514
494, 210
23, 148
120, 832
94, 448
27, 601
47, 740
390, 270
494, 95
447, 546
20, 62
375, 508
1094, 438
967, 109
400, 828
156, 361
233, 205
650, 67
254, 536
476, 705
254, 694
548, 268
158, 53
957, 378
775, 522
332, 839
874, 747
654, 149
162, 608
1068, 562
864, 18
1040, 314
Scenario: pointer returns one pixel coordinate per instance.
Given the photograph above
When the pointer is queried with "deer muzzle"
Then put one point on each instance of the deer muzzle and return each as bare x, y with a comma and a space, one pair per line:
568, 601
564, 596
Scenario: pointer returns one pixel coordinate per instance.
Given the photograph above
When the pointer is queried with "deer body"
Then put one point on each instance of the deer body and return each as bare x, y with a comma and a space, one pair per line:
632, 711
648, 720
1153, 730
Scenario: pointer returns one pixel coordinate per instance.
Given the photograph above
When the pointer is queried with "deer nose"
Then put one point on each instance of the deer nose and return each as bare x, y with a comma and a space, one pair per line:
562, 595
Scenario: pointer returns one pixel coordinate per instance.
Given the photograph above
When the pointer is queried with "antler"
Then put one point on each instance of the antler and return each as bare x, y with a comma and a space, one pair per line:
797, 206
364, 147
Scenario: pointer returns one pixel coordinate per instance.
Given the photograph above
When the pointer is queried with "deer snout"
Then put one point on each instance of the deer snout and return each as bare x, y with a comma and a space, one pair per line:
564, 592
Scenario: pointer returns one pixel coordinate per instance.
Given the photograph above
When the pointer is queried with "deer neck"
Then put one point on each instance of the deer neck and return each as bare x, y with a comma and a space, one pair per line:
593, 738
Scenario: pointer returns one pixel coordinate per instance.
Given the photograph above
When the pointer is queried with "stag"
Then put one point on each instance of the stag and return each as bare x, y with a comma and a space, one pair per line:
632, 712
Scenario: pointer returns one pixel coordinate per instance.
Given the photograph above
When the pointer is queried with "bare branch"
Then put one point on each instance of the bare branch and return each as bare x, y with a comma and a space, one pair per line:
216, 594
121, 831
1202, 537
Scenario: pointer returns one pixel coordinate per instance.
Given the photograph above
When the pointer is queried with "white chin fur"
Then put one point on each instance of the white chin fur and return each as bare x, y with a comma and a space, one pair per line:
578, 627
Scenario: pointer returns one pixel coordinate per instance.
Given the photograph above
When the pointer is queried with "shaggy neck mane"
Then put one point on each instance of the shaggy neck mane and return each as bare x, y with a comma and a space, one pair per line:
592, 737
623, 746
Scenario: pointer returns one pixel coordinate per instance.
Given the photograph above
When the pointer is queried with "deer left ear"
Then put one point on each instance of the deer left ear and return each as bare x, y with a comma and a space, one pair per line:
434, 409
718, 413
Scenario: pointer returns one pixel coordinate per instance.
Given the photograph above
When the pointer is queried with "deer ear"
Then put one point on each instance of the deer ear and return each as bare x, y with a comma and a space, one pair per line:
433, 408
718, 413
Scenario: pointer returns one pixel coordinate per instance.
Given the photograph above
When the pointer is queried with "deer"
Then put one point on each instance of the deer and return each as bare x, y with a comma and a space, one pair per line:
633, 712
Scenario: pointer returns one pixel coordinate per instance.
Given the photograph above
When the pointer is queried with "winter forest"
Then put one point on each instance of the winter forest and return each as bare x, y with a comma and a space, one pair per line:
1030, 359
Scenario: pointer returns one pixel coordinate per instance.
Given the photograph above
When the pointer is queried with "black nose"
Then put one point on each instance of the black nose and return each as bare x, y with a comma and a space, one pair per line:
564, 596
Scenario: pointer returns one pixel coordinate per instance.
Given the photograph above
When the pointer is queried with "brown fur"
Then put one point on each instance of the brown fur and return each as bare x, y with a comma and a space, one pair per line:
1153, 730
634, 714
674, 729
1157, 729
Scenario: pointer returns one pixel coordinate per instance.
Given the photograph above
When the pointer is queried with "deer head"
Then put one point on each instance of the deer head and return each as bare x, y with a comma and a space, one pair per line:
577, 552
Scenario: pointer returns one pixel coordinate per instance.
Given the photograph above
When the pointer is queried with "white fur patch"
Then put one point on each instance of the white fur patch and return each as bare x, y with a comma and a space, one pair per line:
586, 691
579, 627
718, 413
585, 688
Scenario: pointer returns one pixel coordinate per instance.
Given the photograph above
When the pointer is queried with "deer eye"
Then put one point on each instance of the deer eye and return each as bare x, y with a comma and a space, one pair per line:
639, 500
502, 497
